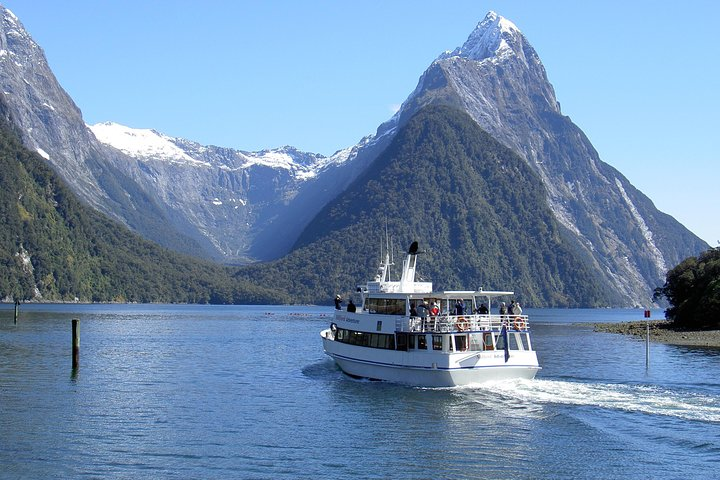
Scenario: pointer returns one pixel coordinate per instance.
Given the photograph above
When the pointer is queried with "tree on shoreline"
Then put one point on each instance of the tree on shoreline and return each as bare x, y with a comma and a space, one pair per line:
693, 290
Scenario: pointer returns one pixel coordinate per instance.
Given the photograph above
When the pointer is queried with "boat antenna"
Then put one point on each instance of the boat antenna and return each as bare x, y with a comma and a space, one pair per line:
381, 250
392, 252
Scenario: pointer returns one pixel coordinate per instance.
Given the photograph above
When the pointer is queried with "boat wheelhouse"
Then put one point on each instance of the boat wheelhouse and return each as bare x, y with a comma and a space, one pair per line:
405, 332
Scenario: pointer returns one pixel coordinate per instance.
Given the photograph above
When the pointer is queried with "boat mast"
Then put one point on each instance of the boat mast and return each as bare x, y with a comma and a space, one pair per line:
383, 272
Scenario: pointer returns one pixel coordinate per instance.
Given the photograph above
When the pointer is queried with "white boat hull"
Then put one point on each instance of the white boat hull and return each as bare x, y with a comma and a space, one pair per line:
429, 368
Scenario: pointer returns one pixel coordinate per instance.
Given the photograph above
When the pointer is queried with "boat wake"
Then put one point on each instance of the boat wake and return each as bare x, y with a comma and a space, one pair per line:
650, 399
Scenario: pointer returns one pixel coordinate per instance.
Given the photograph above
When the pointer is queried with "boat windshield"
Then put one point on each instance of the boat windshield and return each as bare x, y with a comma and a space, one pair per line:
385, 306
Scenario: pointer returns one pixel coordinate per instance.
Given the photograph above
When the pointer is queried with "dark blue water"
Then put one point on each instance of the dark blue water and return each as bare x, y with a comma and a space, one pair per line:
246, 392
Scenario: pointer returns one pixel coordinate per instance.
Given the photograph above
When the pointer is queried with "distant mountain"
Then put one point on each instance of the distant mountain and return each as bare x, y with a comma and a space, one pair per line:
51, 124
55, 248
231, 196
499, 80
220, 203
240, 207
478, 210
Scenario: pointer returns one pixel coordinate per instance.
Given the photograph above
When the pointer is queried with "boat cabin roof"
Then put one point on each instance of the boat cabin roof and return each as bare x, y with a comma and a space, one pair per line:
442, 294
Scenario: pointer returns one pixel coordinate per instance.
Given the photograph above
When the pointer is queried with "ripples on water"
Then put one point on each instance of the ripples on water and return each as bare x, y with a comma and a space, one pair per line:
241, 392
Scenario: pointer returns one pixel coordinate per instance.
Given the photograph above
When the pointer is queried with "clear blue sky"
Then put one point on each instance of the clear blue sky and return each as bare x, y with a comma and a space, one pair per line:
640, 78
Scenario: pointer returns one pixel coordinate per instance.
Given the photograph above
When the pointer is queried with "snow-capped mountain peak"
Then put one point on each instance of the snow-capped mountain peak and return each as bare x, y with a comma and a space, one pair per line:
141, 142
151, 145
494, 37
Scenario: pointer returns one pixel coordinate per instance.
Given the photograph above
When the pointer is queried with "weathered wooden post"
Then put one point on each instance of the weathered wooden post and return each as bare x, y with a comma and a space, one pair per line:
75, 343
647, 339
17, 309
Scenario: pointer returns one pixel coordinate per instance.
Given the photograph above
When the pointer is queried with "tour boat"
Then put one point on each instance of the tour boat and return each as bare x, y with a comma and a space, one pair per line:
404, 332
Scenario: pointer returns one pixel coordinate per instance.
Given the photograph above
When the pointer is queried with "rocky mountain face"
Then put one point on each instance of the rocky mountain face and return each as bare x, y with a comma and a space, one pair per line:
239, 207
248, 205
478, 210
56, 248
50, 124
498, 78
229, 205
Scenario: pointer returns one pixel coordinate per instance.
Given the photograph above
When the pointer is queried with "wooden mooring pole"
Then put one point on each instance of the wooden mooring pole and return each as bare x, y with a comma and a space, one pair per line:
647, 339
17, 310
75, 343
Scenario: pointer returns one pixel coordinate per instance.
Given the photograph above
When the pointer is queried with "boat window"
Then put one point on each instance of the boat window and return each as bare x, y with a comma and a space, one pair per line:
386, 306
500, 342
437, 342
411, 341
521, 341
476, 342
488, 341
402, 341
363, 339
513, 339
422, 342
460, 343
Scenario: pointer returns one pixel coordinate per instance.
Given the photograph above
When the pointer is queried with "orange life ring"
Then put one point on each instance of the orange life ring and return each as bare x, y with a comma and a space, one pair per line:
519, 324
461, 325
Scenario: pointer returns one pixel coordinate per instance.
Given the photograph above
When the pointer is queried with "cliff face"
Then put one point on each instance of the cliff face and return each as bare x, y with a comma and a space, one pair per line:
51, 124
203, 200
238, 206
498, 78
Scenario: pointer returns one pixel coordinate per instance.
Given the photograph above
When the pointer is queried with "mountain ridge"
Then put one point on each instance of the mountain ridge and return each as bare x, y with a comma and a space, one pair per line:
509, 96
448, 184
215, 202
55, 248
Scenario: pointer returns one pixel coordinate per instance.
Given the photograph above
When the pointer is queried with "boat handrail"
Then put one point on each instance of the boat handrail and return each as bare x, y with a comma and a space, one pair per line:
462, 323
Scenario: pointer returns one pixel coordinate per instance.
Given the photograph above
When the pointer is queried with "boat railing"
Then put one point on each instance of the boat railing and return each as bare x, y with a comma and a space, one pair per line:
462, 323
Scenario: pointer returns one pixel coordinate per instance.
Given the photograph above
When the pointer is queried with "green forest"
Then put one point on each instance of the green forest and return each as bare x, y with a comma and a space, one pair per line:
693, 290
54, 248
478, 211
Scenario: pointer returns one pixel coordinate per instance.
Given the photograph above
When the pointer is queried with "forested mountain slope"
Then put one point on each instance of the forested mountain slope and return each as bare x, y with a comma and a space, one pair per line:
55, 248
477, 209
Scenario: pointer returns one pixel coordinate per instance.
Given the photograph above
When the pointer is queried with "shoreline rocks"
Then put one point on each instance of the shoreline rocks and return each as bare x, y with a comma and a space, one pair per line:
662, 331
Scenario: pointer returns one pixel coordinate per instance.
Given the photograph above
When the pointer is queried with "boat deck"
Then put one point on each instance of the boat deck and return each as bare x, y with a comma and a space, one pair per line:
462, 323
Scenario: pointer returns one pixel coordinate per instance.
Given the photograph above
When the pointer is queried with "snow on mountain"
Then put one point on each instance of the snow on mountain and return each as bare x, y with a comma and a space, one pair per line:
498, 78
492, 38
142, 142
495, 39
148, 144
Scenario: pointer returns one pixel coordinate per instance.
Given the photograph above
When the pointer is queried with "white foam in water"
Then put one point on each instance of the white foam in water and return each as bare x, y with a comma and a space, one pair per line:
634, 398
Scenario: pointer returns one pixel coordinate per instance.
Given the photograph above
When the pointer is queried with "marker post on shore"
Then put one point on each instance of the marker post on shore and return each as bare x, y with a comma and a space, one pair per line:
17, 310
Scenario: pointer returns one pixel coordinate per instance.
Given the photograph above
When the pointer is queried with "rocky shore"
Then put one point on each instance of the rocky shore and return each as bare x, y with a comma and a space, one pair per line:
661, 331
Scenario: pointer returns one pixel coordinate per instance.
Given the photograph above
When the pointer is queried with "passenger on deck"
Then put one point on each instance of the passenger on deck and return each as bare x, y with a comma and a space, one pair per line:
422, 310
413, 310
482, 309
351, 306
518, 309
337, 302
503, 309
434, 310
459, 307
511, 308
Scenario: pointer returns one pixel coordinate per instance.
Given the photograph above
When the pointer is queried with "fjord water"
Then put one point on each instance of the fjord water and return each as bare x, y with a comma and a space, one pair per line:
246, 392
